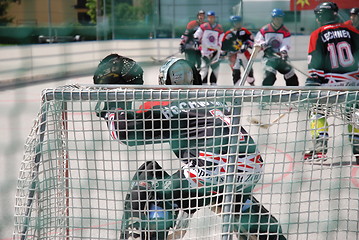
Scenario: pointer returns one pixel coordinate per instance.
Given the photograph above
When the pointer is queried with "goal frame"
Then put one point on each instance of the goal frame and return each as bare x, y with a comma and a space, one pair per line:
109, 92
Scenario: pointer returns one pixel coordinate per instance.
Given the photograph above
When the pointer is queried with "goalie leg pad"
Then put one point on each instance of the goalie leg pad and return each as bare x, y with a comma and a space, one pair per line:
144, 215
254, 219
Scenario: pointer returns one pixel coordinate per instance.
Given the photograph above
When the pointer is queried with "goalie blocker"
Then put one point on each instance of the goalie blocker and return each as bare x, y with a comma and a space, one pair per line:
198, 133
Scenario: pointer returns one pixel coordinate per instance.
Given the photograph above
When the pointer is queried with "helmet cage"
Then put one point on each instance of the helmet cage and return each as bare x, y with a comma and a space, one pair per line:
176, 71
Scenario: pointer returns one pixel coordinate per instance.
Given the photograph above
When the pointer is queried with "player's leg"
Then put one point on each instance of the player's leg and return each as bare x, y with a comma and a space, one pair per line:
255, 219
352, 114
270, 72
291, 79
145, 214
205, 69
236, 73
214, 74
319, 134
198, 59
190, 55
250, 218
354, 140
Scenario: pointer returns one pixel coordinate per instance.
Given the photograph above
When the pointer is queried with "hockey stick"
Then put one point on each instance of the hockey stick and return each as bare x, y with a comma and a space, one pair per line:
256, 49
297, 69
164, 59
266, 126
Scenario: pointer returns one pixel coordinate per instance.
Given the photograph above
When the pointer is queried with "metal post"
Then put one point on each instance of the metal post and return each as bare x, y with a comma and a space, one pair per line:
50, 20
113, 19
231, 170
98, 17
104, 21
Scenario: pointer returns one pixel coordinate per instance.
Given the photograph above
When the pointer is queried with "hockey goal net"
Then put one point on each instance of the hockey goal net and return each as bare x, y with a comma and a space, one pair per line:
74, 177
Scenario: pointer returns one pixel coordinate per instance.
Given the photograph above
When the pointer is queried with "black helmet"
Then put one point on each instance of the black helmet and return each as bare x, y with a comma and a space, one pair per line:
354, 11
116, 69
326, 12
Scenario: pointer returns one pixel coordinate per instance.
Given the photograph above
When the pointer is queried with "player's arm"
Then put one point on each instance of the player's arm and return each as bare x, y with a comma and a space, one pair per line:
227, 42
260, 40
136, 128
198, 34
315, 61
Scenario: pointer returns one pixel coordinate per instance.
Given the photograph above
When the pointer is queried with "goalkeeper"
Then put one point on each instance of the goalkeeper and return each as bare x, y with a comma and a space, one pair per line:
198, 132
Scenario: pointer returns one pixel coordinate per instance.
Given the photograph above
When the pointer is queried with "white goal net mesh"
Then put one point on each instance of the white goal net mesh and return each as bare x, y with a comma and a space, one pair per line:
76, 179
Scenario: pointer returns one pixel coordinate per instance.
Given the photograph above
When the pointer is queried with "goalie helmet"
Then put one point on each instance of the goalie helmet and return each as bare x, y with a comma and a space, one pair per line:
177, 71
326, 12
116, 69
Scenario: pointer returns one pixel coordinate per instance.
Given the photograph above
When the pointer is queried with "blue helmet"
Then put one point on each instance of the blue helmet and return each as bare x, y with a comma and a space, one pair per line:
276, 12
235, 19
211, 13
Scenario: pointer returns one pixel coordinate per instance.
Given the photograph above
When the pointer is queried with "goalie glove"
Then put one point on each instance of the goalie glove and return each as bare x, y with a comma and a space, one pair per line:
284, 55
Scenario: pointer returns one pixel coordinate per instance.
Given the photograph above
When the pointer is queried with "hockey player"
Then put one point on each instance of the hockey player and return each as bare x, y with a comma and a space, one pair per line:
210, 35
354, 18
333, 57
198, 132
235, 43
274, 38
187, 46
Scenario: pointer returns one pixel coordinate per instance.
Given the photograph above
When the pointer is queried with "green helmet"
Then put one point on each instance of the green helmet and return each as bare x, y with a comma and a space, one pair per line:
116, 69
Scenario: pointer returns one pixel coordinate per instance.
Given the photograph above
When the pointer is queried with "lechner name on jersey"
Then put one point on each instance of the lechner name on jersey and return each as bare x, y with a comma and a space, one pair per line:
170, 111
335, 34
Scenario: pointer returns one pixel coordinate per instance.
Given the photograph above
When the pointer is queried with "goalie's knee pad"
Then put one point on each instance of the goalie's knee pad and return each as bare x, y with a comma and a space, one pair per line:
257, 220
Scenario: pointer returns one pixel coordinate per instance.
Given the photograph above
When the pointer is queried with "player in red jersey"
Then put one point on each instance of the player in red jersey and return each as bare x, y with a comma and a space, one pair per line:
354, 18
236, 42
333, 60
187, 46
275, 41
210, 35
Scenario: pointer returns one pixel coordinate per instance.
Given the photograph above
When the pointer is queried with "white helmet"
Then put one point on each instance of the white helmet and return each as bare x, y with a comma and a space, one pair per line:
176, 71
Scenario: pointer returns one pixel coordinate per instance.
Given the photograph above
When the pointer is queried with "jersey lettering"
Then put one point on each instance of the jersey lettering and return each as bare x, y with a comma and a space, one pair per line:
340, 54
